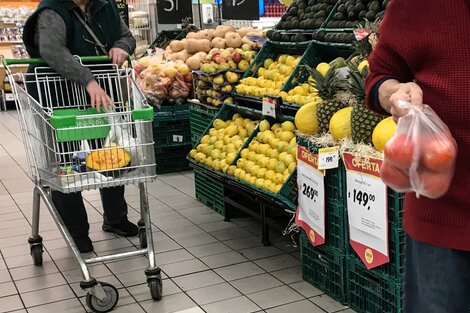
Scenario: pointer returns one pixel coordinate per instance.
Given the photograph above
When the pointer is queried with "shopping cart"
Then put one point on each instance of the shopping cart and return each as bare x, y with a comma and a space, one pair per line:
71, 147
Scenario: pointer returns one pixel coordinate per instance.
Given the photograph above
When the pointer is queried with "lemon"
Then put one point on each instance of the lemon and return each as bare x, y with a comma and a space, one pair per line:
288, 126
323, 68
286, 136
192, 153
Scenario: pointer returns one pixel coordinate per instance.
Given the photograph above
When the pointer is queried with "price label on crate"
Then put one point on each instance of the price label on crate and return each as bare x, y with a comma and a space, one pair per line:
269, 107
328, 158
240, 9
367, 209
174, 11
310, 213
178, 138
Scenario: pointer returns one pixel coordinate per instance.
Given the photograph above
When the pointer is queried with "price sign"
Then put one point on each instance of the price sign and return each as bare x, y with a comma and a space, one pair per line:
328, 158
174, 11
240, 9
367, 209
269, 107
310, 213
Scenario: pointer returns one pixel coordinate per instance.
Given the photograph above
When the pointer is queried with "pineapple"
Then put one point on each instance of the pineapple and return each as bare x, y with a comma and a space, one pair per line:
333, 97
363, 120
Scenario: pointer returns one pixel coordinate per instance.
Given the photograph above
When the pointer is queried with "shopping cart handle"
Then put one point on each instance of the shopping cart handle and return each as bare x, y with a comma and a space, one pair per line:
39, 61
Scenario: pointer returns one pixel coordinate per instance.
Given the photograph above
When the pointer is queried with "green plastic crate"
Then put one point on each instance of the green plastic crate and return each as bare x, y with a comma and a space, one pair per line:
167, 35
396, 247
171, 126
369, 292
172, 159
324, 268
200, 117
289, 191
209, 192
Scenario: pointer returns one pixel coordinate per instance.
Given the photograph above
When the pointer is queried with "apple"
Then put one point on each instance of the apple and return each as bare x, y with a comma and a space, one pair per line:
237, 57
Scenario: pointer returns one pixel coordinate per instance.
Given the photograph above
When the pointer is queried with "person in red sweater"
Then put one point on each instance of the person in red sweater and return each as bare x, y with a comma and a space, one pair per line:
423, 56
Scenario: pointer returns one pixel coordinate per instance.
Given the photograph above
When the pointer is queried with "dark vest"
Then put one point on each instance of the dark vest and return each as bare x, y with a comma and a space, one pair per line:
104, 21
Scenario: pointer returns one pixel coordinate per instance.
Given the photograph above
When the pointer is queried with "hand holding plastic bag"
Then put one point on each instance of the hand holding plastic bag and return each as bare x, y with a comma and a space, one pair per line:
421, 156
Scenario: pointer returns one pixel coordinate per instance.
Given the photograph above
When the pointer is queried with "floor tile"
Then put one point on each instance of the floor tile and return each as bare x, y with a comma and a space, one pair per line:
327, 304
192, 241
142, 292
129, 265
239, 271
7, 289
208, 249
256, 283
69, 306
260, 252
133, 307
111, 244
234, 305
195, 211
198, 280
213, 293
223, 259
32, 271
10, 303
289, 275
275, 297
79, 292
205, 218
48, 295
230, 233
5, 276
187, 231
173, 257
243, 243
40, 282
218, 225
133, 278
96, 271
169, 304
192, 310
277, 262
306, 289
184, 268
300, 306
23, 260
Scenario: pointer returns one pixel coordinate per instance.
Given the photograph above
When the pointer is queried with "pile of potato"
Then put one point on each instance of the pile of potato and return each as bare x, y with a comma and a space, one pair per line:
193, 50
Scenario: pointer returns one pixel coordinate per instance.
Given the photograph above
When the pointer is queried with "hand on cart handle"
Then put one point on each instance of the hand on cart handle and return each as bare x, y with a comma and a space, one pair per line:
118, 56
408, 92
99, 98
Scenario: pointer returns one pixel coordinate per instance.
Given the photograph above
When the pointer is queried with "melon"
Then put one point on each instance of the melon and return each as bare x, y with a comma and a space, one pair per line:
383, 132
306, 119
340, 124
108, 159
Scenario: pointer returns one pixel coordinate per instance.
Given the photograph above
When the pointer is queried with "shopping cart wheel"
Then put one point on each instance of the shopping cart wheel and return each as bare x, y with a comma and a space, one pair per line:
156, 288
108, 303
36, 253
142, 238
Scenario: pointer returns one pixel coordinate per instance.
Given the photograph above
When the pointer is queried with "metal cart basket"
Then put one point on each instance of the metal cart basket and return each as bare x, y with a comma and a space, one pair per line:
71, 147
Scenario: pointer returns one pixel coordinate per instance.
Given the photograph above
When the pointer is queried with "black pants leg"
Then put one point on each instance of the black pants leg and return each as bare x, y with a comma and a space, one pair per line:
73, 212
114, 205
437, 279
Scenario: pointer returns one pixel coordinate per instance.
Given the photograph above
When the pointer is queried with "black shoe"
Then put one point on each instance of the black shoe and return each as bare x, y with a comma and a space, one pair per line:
124, 228
83, 244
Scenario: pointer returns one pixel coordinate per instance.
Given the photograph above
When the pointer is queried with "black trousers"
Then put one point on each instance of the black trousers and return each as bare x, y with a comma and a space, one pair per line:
73, 212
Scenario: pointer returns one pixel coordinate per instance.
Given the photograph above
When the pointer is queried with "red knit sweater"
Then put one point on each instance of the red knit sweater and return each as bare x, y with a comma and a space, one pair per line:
429, 41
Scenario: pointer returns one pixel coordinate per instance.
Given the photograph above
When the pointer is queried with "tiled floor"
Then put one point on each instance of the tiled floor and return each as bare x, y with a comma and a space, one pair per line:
209, 265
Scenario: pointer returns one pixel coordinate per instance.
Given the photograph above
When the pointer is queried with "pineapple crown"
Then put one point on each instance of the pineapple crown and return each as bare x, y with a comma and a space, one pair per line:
357, 80
327, 86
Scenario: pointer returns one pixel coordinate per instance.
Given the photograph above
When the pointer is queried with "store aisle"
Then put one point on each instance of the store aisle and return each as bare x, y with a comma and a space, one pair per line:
209, 265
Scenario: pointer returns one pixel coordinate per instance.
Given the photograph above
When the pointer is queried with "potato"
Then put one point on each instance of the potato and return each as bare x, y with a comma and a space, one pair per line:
197, 45
244, 31
194, 62
176, 46
206, 34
